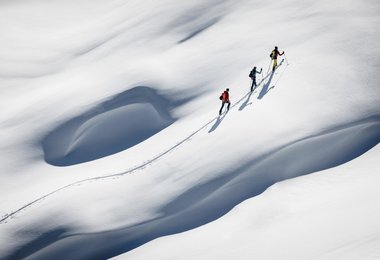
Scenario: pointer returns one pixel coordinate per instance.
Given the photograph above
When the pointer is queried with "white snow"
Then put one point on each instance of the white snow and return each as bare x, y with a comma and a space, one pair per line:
331, 214
112, 127
112, 146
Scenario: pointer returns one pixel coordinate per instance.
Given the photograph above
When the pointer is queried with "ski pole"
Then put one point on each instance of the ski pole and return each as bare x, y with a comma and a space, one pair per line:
286, 59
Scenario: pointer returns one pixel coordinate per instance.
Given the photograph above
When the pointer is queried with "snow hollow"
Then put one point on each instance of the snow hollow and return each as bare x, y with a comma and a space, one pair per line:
112, 145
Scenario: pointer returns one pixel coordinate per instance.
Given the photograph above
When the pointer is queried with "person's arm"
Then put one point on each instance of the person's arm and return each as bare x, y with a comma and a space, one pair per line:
260, 71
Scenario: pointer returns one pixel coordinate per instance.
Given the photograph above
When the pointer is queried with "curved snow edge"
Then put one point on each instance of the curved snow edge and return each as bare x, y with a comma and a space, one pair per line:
209, 201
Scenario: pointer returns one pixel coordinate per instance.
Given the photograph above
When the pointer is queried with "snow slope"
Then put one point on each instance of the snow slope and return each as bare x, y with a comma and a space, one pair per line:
111, 137
331, 214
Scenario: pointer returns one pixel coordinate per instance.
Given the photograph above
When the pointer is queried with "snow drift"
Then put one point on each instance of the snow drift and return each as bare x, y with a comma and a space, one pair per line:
212, 199
125, 95
111, 127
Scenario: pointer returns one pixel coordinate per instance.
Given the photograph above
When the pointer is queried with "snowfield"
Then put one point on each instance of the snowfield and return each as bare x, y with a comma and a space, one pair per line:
112, 145
319, 216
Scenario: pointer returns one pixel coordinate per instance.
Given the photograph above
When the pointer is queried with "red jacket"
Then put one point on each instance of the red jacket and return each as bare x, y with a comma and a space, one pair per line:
225, 96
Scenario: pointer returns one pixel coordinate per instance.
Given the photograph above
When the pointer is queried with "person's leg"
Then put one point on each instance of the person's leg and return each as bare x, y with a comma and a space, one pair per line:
253, 84
274, 64
221, 108
228, 106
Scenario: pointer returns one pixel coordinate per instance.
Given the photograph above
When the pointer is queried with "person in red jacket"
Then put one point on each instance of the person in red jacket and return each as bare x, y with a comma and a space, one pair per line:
274, 54
225, 97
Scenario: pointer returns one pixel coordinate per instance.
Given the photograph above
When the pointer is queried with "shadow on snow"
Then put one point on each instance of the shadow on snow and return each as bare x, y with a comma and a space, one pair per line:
213, 198
111, 127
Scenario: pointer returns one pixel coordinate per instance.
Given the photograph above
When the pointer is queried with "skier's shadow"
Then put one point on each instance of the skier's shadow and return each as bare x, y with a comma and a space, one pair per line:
219, 120
266, 87
245, 103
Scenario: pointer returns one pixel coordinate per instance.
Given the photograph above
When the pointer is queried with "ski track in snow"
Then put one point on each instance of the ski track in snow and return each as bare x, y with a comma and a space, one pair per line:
85, 137
374, 119
199, 198
8, 216
209, 201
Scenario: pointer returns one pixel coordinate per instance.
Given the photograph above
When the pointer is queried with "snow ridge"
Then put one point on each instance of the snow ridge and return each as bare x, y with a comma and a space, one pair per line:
217, 197
371, 120
88, 136
214, 198
111, 105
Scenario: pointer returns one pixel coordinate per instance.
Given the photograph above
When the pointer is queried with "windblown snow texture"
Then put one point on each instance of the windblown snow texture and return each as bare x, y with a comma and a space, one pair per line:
112, 144
111, 127
210, 200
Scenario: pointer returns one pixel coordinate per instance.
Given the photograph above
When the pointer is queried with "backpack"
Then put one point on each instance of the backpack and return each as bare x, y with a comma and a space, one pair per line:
221, 97
251, 74
271, 55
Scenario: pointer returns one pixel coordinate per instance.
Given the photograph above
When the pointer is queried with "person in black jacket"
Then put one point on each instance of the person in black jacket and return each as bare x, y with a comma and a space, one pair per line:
252, 75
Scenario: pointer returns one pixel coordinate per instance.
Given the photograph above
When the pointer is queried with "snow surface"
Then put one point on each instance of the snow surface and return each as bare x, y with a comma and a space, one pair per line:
112, 146
327, 215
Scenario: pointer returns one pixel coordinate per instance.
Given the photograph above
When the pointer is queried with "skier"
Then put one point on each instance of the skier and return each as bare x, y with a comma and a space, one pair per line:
252, 75
274, 55
225, 97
